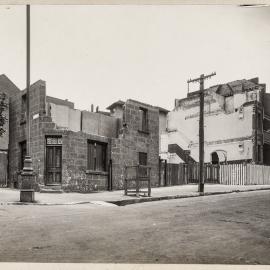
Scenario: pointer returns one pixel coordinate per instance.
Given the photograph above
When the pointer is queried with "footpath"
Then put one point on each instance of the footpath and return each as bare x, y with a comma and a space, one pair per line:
12, 196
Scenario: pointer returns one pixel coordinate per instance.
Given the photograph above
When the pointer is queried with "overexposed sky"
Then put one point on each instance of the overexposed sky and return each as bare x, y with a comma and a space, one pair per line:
99, 54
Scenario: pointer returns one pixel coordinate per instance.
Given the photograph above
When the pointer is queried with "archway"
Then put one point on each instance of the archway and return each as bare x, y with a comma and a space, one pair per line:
218, 156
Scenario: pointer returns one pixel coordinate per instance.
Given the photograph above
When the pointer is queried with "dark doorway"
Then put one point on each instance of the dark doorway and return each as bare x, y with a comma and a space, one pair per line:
215, 158
22, 154
266, 154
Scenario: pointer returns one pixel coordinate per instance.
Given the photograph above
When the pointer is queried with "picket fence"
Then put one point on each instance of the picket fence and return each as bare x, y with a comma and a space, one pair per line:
226, 174
244, 174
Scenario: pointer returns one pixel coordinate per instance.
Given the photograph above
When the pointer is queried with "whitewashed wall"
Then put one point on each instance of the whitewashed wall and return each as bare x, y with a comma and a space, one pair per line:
65, 117
220, 126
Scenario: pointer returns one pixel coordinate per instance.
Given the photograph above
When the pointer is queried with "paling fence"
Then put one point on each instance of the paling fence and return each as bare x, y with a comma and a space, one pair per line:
226, 174
181, 174
244, 174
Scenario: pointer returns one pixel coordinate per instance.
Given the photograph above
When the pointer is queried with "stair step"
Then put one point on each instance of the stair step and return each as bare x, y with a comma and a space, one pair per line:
46, 190
53, 188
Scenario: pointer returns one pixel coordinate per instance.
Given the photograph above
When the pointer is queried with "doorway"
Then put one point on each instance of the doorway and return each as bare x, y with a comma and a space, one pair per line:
215, 158
53, 161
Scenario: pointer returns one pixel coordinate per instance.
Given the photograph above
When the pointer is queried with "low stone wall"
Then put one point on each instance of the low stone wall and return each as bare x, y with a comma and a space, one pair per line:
86, 182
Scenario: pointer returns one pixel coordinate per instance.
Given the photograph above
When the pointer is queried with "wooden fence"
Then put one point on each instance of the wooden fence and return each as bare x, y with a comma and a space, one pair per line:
227, 174
181, 174
244, 174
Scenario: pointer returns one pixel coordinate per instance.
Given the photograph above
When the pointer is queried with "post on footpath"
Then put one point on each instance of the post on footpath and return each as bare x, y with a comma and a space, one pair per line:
27, 193
201, 80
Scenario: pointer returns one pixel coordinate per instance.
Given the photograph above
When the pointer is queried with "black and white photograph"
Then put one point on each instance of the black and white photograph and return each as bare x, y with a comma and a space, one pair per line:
135, 133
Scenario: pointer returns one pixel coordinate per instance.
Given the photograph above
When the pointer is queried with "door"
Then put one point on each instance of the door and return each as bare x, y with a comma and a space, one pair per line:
3, 168
53, 165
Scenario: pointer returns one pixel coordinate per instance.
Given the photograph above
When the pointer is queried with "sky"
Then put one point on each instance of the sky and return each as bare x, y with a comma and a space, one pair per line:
100, 54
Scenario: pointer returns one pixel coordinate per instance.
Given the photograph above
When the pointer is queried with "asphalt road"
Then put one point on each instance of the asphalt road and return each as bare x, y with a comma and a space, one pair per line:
221, 229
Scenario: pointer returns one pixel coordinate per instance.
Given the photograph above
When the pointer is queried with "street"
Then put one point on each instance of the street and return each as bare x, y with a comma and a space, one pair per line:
220, 229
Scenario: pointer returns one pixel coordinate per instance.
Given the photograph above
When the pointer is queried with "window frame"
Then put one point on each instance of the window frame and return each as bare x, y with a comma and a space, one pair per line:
23, 153
144, 120
140, 158
92, 161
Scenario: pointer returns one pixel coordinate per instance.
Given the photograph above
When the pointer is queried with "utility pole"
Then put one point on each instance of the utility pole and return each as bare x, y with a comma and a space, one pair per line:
201, 128
27, 193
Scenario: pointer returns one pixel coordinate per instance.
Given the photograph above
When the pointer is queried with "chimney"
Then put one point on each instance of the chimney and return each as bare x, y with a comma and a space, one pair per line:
92, 107
97, 108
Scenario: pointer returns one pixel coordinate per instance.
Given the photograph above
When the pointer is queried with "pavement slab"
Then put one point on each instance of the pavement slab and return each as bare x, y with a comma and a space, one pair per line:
11, 196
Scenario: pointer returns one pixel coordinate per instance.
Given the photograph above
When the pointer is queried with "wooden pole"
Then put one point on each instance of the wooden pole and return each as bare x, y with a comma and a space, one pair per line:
201, 136
201, 129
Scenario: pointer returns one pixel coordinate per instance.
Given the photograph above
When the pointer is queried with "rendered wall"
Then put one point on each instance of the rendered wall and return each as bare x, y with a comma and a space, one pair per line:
99, 124
89, 122
224, 129
65, 117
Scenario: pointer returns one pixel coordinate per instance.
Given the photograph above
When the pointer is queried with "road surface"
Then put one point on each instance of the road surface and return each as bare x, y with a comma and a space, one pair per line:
220, 229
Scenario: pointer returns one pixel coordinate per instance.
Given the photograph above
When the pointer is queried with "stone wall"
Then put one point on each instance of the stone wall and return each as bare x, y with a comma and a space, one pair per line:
123, 150
126, 148
18, 132
4, 138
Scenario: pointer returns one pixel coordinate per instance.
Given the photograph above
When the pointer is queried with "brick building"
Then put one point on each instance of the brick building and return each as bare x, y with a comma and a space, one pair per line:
237, 125
9, 89
82, 150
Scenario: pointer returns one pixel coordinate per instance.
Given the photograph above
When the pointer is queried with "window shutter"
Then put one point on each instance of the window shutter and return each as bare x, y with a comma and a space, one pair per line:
140, 119
91, 156
99, 157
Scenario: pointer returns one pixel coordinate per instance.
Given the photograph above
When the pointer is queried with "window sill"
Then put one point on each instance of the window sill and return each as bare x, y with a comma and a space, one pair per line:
96, 172
144, 131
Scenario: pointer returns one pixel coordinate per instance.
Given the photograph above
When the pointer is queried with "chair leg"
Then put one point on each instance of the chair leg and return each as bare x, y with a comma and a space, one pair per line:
125, 186
137, 188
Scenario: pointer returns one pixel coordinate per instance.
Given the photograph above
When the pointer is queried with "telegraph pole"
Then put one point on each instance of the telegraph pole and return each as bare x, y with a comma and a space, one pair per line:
201, 80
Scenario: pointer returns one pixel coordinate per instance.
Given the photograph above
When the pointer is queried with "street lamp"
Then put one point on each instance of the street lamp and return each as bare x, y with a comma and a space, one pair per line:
27, 193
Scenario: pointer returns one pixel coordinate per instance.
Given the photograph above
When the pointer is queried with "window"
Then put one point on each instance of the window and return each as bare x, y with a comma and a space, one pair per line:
143, 120
259, 153
97, 155
23, 107
22, 153
259, 121
142, 158
142, 161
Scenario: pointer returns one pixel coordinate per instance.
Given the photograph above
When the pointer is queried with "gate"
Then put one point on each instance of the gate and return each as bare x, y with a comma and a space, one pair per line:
211, 173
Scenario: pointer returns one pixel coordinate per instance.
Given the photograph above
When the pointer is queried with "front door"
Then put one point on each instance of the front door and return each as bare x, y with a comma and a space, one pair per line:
53, 164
